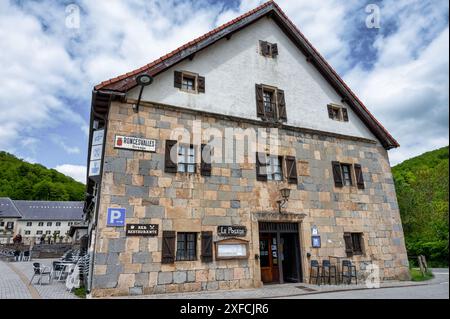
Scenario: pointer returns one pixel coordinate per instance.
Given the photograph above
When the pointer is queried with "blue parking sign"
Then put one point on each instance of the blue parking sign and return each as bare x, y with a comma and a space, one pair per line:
116, 217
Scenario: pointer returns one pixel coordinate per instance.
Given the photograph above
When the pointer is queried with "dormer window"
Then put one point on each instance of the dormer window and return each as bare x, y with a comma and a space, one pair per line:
268, 49
337, 112
189, 82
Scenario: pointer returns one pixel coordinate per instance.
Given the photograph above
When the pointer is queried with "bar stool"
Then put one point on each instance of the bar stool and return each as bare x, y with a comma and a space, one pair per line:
348, 271
315, 265
329, 271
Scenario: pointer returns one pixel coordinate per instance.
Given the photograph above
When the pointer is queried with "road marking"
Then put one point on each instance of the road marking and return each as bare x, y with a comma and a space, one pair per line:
33, 291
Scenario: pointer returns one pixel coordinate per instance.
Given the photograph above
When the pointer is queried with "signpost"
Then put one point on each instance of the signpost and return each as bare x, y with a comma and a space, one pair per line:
116, 217
141, 230
135, 143
233, 231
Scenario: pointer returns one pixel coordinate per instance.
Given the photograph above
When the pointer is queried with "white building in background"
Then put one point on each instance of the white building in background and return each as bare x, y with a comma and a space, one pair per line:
32, 219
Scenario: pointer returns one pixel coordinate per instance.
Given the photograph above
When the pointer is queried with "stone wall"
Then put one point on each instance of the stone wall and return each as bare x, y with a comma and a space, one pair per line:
232, 195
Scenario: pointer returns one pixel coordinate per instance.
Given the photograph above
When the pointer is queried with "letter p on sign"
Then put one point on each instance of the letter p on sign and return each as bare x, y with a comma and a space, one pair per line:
116, 217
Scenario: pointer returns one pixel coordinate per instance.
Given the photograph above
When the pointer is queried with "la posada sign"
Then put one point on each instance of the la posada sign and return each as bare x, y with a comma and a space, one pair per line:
135, 143
141, 230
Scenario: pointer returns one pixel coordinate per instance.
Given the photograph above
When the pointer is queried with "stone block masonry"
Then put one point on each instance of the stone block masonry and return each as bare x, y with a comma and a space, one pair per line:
232, 196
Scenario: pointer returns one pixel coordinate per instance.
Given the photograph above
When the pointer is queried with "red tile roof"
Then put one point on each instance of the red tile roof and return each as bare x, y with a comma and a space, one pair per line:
126, 81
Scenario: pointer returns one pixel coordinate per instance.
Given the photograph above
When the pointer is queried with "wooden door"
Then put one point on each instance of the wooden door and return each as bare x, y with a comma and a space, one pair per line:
268, 252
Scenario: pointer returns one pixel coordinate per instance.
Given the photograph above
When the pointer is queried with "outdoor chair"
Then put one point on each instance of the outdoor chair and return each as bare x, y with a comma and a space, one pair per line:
41, 271
26, 256
348, 272
329, 271
58, 270
314, 266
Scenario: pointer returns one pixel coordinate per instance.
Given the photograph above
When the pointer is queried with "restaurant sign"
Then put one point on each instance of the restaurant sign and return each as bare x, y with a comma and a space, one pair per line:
141, 230
135, 143
235, 231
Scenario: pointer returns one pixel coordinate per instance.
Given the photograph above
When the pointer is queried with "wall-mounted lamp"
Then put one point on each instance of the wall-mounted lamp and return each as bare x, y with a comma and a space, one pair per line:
142, 80
285, 192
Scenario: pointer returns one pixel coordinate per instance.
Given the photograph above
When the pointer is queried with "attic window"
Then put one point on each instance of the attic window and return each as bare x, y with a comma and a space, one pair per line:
189, 82
268, 49
337, 113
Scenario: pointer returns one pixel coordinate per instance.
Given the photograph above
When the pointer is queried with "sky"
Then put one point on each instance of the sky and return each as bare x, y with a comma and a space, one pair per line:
393, 54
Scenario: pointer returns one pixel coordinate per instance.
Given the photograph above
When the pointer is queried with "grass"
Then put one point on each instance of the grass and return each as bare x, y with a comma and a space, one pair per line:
416, 275
80, 292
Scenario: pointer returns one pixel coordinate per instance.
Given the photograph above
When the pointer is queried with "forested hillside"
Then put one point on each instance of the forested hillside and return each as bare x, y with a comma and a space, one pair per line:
22, 180
422, 191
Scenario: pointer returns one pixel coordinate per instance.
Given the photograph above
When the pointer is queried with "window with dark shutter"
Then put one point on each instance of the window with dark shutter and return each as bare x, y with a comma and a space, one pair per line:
207, 254
337, 174
178, 76
357, 243
359, 176
261, 167
291, 169
281, 106
331, 113
169, 165
268, 49
259, 101
348, 244
205, 167
186, 246
201, 84
168, 247
345, 114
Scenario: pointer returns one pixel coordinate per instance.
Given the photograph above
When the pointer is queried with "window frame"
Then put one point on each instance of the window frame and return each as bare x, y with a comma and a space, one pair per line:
49, 224
183, 251
269, 49
39, 232
57, 223
344, 180
269, 168
29, 224
27, 232
189, 75
274, 91
183, 166
2, 224
48, 232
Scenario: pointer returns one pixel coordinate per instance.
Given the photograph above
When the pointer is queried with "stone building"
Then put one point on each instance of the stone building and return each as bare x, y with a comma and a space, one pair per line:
173, 205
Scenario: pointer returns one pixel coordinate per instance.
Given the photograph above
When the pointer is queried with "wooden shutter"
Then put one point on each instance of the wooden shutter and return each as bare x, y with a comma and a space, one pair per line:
281, 106
205, 166
207, 254
168, 247
274, 50
348, 244
201, 84
259, 101
261, 168
337, 174
169, 165
345, 114
265, 47
359, 176
330, 112
291, 169
177, 79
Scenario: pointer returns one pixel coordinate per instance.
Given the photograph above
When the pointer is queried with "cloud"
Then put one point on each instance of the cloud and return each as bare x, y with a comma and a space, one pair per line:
59, 140
77, 172
400, 70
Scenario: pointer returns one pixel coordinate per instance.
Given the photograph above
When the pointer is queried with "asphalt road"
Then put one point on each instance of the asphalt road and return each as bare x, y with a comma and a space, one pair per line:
437, 289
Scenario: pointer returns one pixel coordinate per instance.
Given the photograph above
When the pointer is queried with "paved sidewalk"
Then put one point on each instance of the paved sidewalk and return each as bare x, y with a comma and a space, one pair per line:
14, 279
56, 290
287, 290
11, 286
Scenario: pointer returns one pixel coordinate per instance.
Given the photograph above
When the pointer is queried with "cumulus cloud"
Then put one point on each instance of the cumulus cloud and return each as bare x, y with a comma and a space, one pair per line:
399, 70
77, 172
